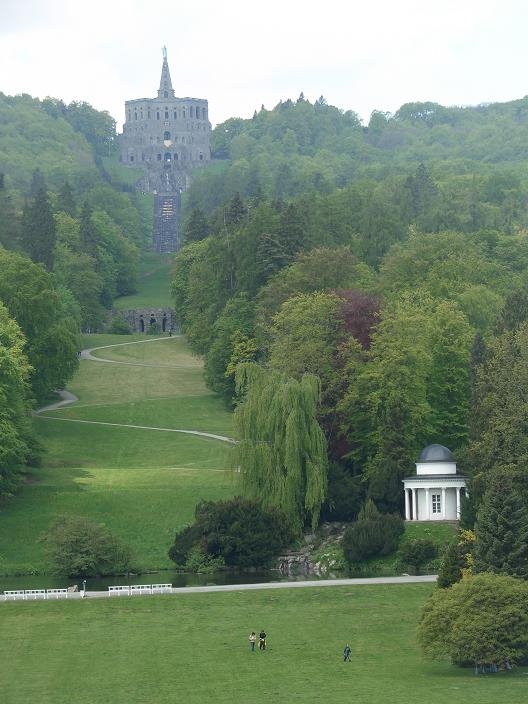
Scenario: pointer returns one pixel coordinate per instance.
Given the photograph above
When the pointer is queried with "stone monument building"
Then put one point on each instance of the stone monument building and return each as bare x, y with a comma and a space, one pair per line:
167, 137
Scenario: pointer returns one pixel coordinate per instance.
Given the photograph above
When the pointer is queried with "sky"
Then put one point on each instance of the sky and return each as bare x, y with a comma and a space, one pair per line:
240, 54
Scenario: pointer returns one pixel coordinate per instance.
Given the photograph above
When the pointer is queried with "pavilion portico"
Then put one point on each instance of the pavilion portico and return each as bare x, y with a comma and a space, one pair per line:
435, 492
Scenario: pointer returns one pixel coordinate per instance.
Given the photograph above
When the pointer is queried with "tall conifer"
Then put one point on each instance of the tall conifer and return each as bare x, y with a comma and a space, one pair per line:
502, 526
38, 230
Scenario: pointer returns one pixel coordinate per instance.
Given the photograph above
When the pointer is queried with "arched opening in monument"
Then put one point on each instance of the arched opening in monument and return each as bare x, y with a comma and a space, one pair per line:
141, 324
167, 158
152, 319
164, 323
166, 135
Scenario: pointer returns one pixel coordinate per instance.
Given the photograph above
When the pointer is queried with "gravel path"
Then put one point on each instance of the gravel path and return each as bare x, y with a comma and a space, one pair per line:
407, 579
68, 397
224, 438
87, 354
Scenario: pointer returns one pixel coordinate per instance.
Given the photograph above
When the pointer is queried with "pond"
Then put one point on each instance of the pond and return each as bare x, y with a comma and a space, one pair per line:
177, 579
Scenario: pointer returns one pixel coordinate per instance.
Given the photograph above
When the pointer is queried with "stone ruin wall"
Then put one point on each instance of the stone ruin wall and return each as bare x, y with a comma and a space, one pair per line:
140, 319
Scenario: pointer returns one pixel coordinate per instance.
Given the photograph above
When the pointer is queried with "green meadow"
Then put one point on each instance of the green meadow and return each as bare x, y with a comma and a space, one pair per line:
193, 648
143, 484
153, 277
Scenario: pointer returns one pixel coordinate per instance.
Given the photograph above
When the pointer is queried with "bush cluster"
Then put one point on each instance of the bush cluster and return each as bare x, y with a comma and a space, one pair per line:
479, 621
374, 533
415, 553
240, 532
119, 326
78, 547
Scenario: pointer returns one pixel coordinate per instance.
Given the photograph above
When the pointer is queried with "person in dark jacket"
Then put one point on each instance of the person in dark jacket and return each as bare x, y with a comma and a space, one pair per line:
346, 653
262, 640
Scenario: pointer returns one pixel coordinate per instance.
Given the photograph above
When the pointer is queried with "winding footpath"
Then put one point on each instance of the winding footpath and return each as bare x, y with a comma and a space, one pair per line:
68, 397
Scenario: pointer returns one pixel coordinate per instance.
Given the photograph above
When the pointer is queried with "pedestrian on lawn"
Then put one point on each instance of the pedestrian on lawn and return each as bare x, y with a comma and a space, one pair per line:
262, 640
252, 640
346, 653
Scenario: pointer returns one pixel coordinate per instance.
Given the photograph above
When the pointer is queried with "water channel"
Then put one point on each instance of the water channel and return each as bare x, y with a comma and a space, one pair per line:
177, 579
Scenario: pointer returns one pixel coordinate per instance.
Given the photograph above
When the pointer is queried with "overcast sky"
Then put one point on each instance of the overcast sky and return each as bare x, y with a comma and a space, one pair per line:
240, 54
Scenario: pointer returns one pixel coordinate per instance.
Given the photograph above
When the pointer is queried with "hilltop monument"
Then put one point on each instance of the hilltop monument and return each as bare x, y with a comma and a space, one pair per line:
167, 137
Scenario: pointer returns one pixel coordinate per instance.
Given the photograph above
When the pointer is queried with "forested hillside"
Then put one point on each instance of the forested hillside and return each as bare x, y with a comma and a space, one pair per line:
388, 260
65, 204
70, 239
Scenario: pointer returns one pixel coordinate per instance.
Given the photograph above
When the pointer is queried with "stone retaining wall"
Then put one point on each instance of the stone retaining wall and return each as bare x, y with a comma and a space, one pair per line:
140, 319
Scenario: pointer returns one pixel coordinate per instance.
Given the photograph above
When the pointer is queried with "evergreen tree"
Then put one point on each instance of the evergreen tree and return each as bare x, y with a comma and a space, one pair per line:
235, 211
65, 200
291, 231
271, 254
477, 358
38, 230
501, 408
502, 526
515, 310
38, 183
9, 218
421, 190
88, 232
196, 228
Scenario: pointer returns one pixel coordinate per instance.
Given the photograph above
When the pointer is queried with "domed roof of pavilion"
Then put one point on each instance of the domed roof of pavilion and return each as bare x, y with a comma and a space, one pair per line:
436, 453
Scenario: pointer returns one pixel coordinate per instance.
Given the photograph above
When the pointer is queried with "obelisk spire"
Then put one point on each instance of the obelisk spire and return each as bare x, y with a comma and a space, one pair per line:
165, 89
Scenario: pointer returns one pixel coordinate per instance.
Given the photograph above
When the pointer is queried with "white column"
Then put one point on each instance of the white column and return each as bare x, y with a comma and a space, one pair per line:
427, 507
407, 508
414, 505
443, 503
458, 503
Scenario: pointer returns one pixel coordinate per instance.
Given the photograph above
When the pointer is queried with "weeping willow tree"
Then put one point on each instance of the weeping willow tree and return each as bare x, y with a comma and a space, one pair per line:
282, 450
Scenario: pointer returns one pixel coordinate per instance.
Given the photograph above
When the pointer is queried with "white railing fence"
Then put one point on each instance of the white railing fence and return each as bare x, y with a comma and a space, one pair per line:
128, 590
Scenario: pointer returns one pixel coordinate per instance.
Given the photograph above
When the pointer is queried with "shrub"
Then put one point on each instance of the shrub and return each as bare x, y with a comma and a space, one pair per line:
199, 561
374, 533
457, 559
239, 531
482, 620
153, 329
78, 547
119, 326
417, 552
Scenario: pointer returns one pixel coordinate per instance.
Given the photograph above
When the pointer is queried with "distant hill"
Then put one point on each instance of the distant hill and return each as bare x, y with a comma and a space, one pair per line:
299, 147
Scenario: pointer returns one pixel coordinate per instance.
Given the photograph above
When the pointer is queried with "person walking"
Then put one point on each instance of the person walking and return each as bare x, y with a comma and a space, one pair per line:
252, 640
262, 640
346, 653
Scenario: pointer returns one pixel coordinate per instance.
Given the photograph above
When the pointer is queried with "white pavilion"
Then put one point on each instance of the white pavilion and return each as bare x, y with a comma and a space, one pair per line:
435, 492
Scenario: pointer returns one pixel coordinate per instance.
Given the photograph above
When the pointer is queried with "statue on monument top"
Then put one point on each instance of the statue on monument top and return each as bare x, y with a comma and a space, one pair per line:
164, 52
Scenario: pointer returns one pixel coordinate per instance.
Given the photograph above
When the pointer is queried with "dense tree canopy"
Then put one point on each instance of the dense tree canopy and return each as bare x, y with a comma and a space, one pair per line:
16, 442
47, 316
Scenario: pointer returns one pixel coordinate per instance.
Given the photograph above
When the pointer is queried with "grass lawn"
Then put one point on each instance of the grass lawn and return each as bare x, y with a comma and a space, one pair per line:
143, 484
193, 648
143, 506
153, 284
